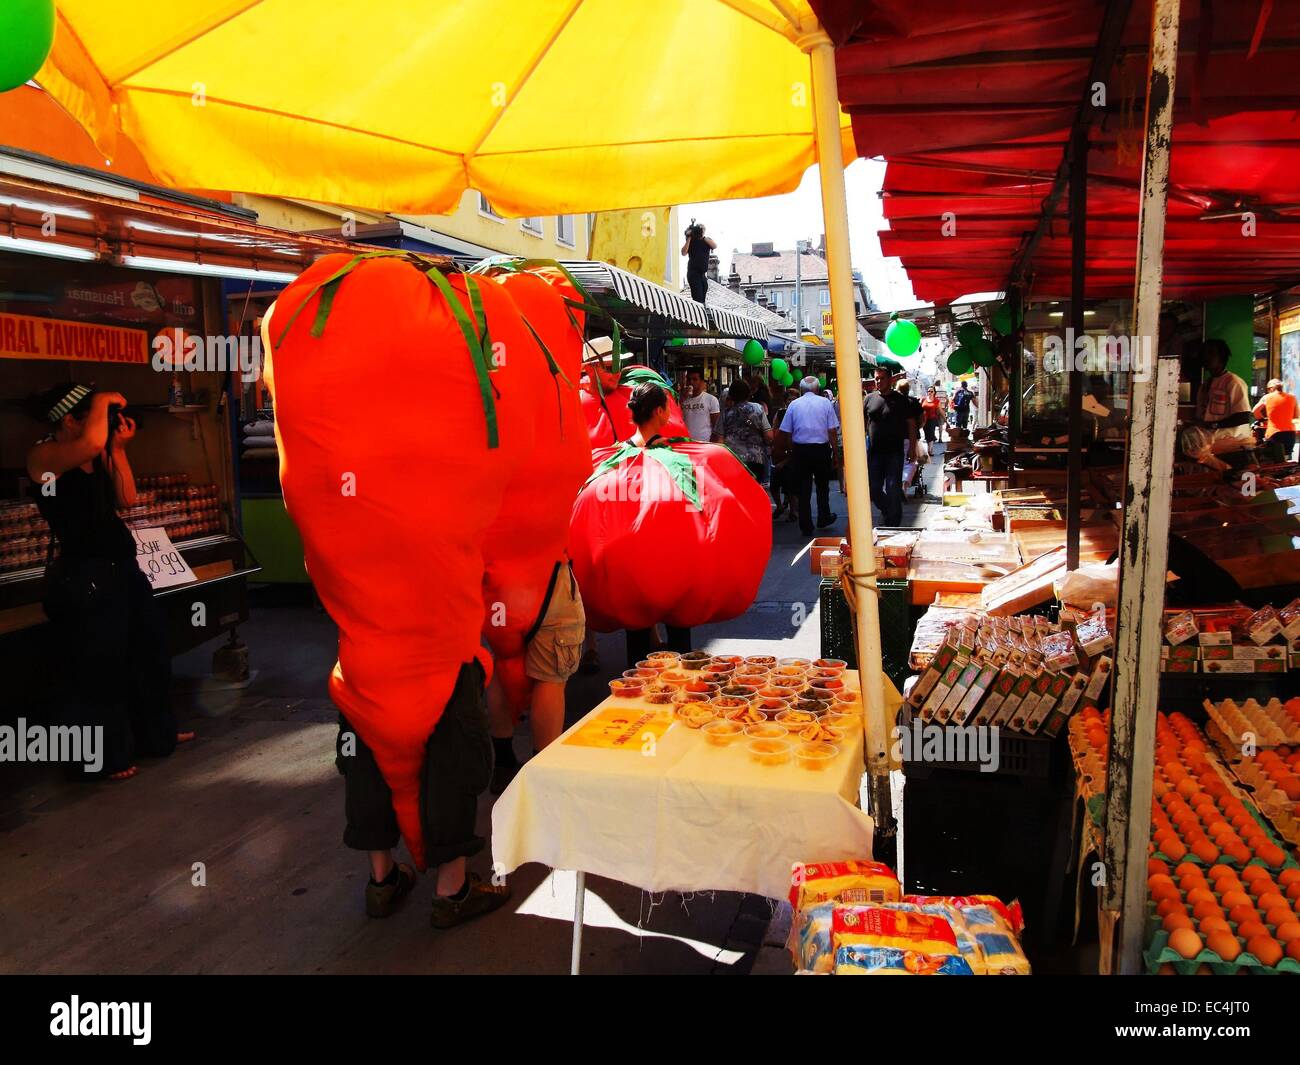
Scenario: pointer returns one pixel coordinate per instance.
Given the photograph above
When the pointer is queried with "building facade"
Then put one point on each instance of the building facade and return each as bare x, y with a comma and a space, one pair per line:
793, 284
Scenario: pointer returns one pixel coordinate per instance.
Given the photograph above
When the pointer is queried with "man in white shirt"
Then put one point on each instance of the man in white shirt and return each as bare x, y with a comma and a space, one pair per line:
699, 408
811, 429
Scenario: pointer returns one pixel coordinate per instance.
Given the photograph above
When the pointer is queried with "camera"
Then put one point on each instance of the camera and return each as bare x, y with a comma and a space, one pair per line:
116, 412
695, 229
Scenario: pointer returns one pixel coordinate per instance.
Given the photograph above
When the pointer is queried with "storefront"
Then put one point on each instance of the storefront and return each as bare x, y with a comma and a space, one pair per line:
120, 286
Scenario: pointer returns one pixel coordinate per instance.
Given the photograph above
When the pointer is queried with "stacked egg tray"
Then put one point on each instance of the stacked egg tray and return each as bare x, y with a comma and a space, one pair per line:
24, 536
1219, 922
1269, 774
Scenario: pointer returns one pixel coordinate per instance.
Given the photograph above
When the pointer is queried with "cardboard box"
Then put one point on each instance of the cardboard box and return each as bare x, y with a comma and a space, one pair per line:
998, 692
943, 688
1181, 665
820, 546
973, 697
1035, 721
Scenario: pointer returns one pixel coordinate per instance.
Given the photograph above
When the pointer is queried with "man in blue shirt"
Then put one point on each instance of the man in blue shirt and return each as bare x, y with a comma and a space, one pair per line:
811, 428
961, 405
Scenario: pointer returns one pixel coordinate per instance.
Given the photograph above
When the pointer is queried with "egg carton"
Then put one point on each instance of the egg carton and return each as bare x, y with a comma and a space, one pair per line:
1269, 723
1288, 862
1158, 952
1281, 812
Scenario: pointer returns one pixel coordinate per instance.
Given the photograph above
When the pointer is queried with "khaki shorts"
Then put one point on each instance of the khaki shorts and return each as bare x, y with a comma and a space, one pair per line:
553, 652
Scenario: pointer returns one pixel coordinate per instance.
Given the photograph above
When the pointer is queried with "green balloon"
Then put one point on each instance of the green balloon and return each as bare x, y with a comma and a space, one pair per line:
902, 337
26, 34
969, 333
960, 362
780, 368
981, 352
1002, 321
676, 342
785, 380
753, 353
821, 379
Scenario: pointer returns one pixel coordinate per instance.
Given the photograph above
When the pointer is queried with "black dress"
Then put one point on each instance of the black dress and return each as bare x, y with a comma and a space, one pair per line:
117, 671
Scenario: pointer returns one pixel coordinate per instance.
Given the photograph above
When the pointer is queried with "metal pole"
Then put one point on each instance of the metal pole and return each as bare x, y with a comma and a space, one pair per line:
579, 904
1144, 547
844, 325
798, 294
1078, 261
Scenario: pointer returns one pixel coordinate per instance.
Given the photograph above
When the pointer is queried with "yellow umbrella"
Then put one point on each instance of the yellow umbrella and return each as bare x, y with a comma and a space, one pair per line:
544, 106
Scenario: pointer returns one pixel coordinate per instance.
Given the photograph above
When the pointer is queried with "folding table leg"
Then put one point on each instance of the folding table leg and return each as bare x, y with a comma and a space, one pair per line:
579, 898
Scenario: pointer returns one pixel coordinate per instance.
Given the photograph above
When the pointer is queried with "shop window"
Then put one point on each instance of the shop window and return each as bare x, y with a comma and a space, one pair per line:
485, 209
531, 225
564, 230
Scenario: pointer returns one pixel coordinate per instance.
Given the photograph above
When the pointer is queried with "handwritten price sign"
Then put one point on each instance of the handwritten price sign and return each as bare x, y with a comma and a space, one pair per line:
159, 560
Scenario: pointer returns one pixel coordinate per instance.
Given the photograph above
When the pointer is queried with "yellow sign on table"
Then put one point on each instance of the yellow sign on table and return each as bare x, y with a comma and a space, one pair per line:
622, 728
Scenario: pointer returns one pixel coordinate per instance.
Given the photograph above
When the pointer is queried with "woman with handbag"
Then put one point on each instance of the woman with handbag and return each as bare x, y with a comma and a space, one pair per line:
110, 632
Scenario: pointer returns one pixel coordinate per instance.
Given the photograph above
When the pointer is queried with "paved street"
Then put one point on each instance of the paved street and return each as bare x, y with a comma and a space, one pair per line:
100, 878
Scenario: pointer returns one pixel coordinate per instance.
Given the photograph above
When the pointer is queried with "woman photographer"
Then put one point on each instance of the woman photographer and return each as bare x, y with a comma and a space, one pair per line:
110, 633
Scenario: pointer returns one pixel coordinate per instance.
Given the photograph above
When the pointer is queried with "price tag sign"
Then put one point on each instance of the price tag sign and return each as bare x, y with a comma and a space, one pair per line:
159, 560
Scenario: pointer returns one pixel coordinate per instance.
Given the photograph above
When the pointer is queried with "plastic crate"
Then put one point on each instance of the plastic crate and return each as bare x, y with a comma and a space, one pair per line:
1031, 758
896, 627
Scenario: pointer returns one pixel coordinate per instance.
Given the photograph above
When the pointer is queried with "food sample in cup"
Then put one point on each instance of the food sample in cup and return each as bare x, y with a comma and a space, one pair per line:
804, 663
832, 683
817, 676
657, 692
830, 663
681, 696
675, 677
694, 660
641, 673
733, 660
794, 720
844, 722
625, 689
695, 715
725, 703
769, 752
815, 707
766, 730
653, 663
818, 694
818, 733
723, 733
664, 659
845, 697
781, 674
815, 755
742, 691
775, 691
769, 706
754, 677
760, 661
720, 669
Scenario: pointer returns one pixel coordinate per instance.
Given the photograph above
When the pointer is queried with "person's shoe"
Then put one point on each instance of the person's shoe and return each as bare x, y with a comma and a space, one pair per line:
589, 664
382, 900
502, 775
481, 898
830, 519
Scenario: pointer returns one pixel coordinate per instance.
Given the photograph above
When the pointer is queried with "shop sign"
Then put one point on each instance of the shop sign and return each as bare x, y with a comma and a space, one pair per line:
25, 337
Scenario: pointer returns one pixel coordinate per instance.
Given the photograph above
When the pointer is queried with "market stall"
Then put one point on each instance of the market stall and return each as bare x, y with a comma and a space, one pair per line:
126, 295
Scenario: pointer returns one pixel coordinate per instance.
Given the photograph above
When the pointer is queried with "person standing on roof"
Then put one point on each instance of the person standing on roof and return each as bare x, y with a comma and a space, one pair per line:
697, 249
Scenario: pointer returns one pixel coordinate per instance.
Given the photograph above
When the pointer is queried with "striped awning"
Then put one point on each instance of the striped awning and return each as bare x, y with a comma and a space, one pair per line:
604, 281
735, 324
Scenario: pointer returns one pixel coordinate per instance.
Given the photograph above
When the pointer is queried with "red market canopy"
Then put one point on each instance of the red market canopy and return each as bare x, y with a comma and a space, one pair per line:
972, 105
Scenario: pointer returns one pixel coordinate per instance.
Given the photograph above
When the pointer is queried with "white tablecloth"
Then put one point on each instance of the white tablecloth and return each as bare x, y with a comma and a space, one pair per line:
690, 817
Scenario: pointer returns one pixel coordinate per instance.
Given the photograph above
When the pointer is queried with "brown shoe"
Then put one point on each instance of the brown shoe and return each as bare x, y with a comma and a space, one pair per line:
382, 900
482, 898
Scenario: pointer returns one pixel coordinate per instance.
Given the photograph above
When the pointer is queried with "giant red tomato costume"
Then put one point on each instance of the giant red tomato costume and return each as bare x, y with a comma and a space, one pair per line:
523, 545
605, 398
393, 503
679, 533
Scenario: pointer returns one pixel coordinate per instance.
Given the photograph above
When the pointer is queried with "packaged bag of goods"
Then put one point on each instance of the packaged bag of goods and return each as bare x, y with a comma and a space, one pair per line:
966, 943
875, 941
847, 881
994, 926
811, 939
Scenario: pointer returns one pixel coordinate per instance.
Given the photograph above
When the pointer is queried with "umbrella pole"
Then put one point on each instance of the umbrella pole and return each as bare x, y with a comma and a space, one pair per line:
830, 155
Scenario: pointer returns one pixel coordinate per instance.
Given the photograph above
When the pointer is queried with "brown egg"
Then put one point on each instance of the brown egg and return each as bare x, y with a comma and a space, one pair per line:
1269, 853
1224, 944
1205, 850
1198, 894
1155, 865
1265, 948
1271, 900
1186, 942
1293, 949
1207, 925
1169, 905
1254, 872
1207, 908
1278, 916
1287, 877
1242, 912
1287, 931
1175, 920
1236, 897
1251, 926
